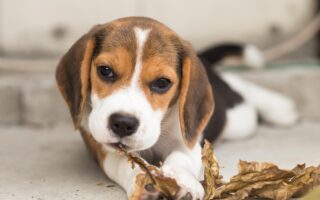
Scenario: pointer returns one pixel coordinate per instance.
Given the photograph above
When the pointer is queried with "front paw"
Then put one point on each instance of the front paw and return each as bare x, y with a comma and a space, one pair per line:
144, 189
190, 187
157, 188
148, 192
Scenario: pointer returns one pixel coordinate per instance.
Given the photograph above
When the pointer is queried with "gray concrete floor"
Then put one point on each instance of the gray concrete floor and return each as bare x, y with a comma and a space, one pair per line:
53, 164
50, 165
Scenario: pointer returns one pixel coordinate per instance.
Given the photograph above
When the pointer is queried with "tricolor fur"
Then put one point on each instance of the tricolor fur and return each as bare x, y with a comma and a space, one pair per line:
136, 82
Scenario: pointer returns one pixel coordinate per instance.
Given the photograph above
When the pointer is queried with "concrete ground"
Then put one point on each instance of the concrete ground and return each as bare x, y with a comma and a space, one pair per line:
53, 164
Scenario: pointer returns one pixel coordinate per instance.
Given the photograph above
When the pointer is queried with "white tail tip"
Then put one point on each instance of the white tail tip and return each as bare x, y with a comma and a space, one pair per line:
253, 57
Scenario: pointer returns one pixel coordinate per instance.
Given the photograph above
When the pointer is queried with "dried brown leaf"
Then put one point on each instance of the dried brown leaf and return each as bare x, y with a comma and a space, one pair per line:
248, 167
265, 180
304, 179
153, 183
248, 190
252, 175
254, 180
212, 179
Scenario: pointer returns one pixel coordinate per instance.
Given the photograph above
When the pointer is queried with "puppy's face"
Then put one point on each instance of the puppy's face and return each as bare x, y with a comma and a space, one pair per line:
125, 75
134, 78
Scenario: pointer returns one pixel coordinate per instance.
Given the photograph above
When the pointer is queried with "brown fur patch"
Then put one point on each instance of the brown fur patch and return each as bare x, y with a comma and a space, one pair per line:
72, 76
183, 93
121, 62
159, 60
85, 75
153, 69
94, 147
159, 44
208, 105
196, 100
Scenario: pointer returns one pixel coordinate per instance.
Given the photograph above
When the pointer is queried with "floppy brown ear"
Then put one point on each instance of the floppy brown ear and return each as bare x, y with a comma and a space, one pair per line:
72, 75
196, 100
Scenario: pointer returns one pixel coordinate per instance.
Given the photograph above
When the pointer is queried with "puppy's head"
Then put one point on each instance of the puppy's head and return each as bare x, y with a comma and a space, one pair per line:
126, 74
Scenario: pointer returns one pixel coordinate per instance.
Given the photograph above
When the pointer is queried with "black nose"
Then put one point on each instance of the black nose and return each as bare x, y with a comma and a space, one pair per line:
123, 124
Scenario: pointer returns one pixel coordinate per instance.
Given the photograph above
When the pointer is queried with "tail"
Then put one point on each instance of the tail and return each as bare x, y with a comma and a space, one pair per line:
249, 55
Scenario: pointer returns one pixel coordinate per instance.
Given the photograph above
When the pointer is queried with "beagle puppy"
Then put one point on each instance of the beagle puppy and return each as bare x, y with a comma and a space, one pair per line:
135, 82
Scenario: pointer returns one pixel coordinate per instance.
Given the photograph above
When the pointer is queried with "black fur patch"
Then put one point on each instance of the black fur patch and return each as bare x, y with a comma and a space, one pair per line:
224, 96
217, 53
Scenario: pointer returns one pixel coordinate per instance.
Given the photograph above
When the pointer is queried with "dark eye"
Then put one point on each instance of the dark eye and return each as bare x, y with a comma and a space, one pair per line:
160, 85
106, 73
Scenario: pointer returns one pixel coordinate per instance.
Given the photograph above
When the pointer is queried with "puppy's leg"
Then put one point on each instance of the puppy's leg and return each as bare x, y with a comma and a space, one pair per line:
184, 165
115, 166
273, 107
118, 169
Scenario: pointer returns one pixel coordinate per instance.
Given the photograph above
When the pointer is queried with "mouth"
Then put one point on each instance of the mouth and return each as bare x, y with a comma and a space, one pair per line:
118, 146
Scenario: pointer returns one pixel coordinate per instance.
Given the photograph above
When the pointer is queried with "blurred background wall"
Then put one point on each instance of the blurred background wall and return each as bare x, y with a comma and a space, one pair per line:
43, 28
34, 34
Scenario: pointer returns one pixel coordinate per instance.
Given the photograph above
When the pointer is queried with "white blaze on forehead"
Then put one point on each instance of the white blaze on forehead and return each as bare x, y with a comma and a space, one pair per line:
141, 37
